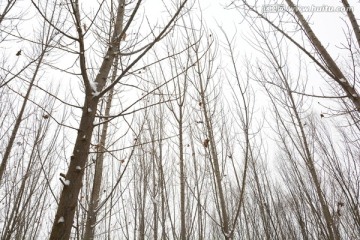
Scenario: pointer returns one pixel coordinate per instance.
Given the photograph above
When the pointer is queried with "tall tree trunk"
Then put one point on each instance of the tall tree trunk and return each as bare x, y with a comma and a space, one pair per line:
14, 218
215, 163
95, 194
182, 177
155, 187
142, 194
10, 144
200, 224
64, 217
73, 180
333, 232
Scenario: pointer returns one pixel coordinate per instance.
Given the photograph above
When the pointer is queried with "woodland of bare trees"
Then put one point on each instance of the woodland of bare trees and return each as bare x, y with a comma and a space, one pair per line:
135, 119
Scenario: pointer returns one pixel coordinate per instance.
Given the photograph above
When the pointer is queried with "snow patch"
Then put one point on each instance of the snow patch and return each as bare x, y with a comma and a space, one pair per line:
228, 234
89, 110
61, 220
342, 80
93, 85
95, 93
355, 95
67, 182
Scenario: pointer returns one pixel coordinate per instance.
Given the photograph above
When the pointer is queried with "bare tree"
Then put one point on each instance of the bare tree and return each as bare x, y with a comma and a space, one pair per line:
46, 39
26, 188
94, 90
178, 91
293, 128
322, 59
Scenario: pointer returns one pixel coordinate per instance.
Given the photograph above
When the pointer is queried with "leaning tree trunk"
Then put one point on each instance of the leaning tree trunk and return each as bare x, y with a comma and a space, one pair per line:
18, 120
353, 20
73, 180
93, 91
338, 75
333, 232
